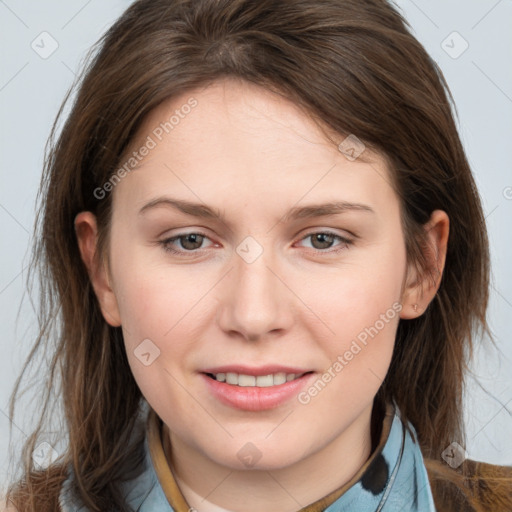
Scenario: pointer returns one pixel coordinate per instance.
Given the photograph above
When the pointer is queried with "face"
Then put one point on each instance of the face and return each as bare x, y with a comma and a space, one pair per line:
295, 304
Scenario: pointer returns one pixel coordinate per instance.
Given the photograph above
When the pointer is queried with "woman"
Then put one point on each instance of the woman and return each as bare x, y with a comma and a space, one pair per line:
309, 352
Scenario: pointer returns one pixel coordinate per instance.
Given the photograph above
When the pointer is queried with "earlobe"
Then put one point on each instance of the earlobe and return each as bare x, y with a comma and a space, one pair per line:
87, 236
421, 287
412, 293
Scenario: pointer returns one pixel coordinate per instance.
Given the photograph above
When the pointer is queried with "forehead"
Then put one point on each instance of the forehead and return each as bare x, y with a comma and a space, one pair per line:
234, 138
233, 110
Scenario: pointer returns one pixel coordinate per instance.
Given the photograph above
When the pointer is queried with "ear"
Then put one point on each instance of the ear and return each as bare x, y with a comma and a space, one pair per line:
87, 235
421, 287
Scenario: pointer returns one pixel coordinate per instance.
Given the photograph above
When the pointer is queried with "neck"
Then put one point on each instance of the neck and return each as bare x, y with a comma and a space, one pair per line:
211, 487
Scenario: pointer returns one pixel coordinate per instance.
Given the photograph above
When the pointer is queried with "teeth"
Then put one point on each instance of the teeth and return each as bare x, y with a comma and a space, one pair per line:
246, 380
232, 378
262, 381
279, 378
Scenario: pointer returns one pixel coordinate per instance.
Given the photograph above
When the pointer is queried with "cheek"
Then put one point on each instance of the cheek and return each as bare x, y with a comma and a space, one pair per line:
360, 307
154, 299
354, 295
157, 334
358, 354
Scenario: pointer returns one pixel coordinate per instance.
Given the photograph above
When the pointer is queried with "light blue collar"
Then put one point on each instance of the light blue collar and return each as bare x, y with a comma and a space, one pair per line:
395, 481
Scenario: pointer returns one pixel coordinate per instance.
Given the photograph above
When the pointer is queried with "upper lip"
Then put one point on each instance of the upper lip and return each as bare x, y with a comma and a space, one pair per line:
256, 371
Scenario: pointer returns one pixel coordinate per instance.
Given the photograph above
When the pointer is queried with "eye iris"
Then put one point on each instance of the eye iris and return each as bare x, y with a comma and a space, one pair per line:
320, 237
196, 239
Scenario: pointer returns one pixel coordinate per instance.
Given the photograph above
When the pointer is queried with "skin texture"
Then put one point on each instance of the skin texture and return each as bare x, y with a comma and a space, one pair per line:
253, 155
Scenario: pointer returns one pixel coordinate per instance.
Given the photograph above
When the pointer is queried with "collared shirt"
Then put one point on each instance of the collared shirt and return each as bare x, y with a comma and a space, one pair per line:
393, 479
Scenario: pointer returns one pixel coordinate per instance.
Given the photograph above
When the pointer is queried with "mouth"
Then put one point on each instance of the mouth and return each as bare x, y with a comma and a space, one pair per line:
259, 381
255, 390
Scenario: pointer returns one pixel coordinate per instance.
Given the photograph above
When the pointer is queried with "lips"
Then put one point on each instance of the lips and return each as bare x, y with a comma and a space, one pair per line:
256, 371
255, 389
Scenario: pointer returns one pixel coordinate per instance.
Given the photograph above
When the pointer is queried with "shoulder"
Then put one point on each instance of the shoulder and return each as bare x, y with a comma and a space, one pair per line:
474, 485
5, 506
42, 486
490, 484
485, 470
9, 507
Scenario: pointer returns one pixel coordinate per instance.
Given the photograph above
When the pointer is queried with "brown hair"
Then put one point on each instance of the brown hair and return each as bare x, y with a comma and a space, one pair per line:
353, 66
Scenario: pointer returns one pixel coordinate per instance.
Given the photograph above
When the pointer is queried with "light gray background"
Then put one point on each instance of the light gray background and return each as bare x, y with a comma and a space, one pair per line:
32, 88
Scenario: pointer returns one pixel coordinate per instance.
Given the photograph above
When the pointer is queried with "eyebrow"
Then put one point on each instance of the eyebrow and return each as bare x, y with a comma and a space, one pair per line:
304, 212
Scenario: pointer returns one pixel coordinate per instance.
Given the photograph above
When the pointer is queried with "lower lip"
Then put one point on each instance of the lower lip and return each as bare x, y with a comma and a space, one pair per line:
252, 398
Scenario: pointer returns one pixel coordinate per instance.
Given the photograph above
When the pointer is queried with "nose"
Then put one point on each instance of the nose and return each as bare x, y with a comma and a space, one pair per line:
255, 302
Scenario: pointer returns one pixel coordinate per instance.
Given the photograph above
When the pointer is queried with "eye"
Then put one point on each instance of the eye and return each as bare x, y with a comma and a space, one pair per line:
190, 242
322, 240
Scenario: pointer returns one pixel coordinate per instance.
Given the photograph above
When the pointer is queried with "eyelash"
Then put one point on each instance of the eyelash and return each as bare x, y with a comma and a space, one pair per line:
167, 247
